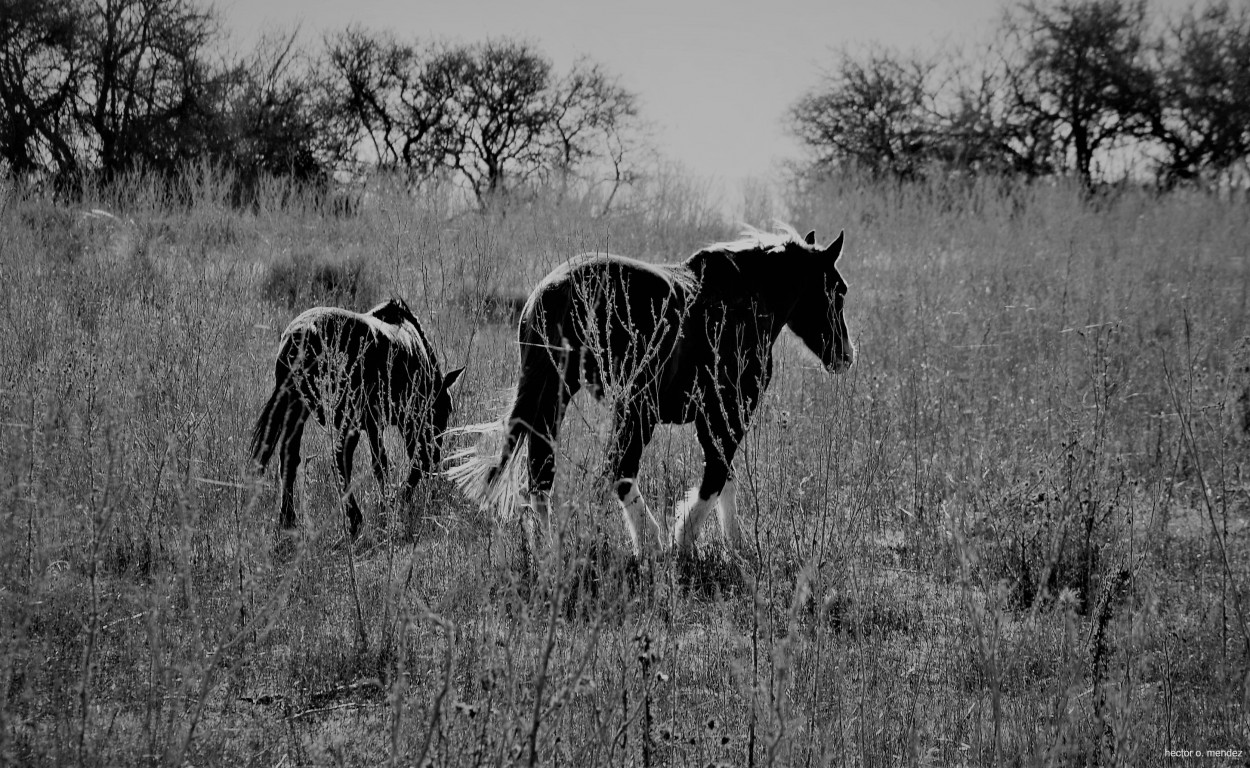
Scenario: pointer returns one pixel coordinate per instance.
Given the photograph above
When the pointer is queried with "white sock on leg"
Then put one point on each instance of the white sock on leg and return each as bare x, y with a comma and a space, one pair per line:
690, 516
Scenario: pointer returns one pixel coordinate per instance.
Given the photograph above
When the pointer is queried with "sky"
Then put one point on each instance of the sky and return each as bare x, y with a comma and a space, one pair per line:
715, 79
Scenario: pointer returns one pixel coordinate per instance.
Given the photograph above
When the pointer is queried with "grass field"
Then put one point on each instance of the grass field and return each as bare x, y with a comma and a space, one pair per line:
1015, 533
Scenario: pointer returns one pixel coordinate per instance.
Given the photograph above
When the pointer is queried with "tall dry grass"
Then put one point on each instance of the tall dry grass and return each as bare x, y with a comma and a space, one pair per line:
1015, 533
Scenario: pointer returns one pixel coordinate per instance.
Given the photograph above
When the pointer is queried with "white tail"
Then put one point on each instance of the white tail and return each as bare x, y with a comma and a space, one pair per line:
476, 470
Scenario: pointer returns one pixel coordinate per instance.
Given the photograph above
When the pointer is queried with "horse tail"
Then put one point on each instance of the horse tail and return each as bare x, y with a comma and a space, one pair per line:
284, 409
488, 471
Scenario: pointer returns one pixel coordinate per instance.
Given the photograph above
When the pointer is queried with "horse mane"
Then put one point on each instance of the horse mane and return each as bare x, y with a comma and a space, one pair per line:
724, 276
394, 311
750, 238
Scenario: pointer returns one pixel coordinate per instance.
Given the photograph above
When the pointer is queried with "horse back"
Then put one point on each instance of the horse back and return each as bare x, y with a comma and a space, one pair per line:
367, 358
621, 316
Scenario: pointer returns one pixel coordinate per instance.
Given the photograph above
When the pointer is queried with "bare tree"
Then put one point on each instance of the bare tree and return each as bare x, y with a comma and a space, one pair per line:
144, 95
392, 96
268, 118
1202, 114
362, 71
496, 130
111, 85
876, 111
106, 84
492, 113
592, 117
39, 79
906, 116
1081, 79
1067, 86
979, 130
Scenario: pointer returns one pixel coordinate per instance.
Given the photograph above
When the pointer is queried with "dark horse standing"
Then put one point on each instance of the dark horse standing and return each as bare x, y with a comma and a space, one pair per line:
355, 371
673, 343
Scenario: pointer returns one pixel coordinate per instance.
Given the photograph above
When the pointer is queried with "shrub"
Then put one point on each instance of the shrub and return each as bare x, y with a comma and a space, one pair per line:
56, 232
300, 281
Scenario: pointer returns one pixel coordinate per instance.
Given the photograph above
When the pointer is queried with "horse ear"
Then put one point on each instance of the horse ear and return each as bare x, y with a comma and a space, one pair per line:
835, 248
450, 379
811, 238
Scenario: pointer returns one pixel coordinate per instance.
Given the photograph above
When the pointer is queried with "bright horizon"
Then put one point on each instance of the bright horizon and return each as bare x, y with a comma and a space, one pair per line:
714, 84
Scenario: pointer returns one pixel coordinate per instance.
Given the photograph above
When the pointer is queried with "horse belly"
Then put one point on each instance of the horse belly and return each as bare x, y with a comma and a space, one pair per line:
676, 397
681, 411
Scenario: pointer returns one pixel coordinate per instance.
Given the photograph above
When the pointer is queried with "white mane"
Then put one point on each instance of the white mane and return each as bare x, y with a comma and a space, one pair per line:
751, 238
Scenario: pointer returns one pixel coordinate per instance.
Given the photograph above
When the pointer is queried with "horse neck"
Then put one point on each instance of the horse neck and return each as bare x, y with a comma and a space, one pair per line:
744, 277
431, 359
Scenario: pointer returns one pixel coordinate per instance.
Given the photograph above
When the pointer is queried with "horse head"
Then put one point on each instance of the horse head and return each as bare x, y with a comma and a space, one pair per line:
791, 278
440, 414
818, 315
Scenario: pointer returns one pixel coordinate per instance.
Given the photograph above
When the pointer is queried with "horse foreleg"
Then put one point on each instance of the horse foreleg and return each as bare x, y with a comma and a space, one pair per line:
691, 513
419, 461
638, 515
542, 475
633, 432
345, 449
719, 447
728, 509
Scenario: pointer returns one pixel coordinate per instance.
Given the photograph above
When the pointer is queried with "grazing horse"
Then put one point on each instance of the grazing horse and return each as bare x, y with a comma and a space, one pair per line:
355, 371
673, 343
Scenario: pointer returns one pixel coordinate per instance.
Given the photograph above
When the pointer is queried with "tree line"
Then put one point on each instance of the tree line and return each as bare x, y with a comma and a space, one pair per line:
1099, 89
104, 87
1091, 88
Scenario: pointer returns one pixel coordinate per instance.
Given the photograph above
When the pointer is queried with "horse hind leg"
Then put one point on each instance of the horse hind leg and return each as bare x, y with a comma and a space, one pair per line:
542, 472
289, 460
538, 411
